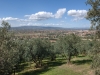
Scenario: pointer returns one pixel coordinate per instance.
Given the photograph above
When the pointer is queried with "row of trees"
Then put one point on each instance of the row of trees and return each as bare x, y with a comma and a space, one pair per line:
14, 51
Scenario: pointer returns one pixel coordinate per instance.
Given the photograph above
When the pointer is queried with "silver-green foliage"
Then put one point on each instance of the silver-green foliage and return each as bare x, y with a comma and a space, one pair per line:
68, 45
8, 52
94, 16
38, 50
95, 52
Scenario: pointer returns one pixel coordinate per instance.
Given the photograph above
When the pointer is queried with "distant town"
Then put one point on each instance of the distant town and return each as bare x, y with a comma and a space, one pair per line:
50, 33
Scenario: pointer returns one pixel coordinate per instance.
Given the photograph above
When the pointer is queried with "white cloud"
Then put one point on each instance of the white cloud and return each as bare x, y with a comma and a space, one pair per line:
35, 24
40, 24
31, 19
24, 20
52, 24
43, 15
77, 14
40, 16
9, 18
0, 21
14, 19
60, 13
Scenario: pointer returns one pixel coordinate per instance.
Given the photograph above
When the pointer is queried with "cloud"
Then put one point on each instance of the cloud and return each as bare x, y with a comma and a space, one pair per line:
0, 20
35, 24
24, 20
14, 19
9, 18
60, 13
40, 24
43, 15
77, 14
31, 24
40, 16
52, 24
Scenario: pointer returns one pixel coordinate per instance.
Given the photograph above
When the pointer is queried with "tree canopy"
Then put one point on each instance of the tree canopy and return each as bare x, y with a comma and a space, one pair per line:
94, 16
8, 52
68, 45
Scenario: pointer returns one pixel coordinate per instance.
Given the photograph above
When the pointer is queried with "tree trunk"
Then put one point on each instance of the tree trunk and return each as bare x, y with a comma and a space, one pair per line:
53, 57
69, 59
38, 64
14, 72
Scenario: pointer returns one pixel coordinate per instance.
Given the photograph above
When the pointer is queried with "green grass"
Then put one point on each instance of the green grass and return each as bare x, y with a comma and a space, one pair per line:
79, 66
60, 71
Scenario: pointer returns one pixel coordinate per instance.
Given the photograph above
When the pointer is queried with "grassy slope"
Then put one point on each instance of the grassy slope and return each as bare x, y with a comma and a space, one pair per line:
79, 66
62, 70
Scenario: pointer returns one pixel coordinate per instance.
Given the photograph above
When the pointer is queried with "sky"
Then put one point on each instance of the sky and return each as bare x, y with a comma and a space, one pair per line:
53, 13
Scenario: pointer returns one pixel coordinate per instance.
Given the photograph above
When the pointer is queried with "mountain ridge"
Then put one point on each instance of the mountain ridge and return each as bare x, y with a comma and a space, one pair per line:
46, 28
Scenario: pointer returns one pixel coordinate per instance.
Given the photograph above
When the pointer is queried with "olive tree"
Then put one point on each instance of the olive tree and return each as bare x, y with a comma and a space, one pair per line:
68, 46
85, 47
39, 49
93, 15
23, 50
8, 52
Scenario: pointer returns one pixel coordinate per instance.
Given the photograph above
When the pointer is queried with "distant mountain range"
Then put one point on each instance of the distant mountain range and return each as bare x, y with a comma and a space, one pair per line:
45, 28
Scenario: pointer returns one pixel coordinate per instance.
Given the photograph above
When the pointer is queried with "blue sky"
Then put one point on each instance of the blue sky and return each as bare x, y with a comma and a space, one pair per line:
55, 13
